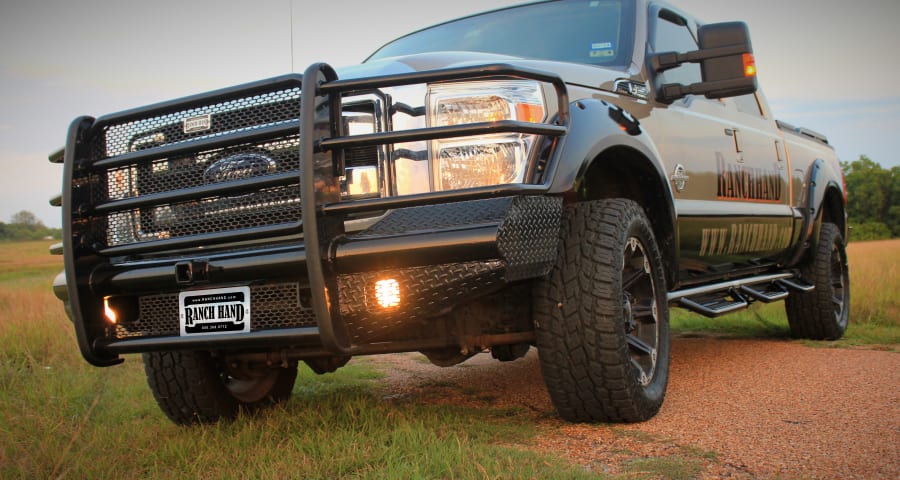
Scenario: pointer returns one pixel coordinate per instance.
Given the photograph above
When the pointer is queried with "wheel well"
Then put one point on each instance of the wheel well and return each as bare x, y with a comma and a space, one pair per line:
621, 172
833, 210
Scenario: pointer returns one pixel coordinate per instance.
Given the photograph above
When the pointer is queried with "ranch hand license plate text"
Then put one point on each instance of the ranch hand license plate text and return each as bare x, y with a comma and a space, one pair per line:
221, 310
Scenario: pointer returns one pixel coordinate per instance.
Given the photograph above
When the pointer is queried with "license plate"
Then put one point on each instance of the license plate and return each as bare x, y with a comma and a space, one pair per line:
215, 311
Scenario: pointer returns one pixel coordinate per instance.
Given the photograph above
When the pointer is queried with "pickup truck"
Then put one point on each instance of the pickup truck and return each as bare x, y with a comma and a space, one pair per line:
557, 174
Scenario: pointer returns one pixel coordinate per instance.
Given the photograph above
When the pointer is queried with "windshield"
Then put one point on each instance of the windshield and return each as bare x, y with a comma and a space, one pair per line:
595, 32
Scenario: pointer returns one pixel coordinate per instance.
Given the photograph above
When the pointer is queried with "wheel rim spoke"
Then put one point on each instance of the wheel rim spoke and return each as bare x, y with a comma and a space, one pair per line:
641, 323
631, 279
643, 311
640, 346
839, 282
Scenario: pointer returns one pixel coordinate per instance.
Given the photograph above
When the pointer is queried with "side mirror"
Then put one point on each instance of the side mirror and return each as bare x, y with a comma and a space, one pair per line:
727, 66
728, 75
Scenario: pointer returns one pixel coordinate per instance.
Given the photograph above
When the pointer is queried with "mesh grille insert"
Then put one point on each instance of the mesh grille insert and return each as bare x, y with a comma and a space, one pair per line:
274, 306
215, 166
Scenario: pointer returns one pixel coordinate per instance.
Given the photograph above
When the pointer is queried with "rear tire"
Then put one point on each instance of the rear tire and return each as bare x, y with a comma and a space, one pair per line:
823, 313
601, 316
195, 387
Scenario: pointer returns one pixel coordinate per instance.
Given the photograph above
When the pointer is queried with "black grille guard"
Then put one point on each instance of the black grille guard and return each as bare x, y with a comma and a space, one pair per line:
321, 138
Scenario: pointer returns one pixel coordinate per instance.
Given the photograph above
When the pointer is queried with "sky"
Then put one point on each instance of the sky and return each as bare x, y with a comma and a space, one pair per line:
827, 65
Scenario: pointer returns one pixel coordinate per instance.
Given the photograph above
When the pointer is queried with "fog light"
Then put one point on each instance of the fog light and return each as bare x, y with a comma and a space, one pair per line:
111, 316
387, 293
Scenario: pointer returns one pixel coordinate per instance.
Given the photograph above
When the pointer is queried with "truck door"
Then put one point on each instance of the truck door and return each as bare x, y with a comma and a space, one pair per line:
759, 178
718, 229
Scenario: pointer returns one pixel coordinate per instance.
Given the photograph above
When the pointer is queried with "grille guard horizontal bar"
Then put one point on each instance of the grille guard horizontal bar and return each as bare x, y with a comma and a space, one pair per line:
288, 336
292, 80
203, 239
451, 74
435, 133
193, 146
349, 255
231, 188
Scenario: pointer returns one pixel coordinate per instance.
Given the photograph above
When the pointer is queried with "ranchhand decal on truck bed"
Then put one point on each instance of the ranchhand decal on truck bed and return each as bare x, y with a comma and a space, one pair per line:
454, 194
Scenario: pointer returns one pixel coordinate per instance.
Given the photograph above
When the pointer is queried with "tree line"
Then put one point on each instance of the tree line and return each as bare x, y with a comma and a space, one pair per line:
26, 226
873, 199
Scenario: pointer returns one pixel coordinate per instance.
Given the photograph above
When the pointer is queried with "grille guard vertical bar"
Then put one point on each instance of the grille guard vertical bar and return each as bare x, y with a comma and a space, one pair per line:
320, 80
74, 155
314, 76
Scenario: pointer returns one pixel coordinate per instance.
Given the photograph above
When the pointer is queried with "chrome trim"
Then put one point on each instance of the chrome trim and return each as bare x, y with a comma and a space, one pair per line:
719, 287
59, 287
679, 178
631, 88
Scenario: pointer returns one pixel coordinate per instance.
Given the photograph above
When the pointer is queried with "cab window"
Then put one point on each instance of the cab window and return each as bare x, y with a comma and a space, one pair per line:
748, 104
671, 33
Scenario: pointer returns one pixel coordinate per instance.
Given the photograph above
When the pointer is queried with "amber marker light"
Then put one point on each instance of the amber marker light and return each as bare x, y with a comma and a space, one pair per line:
387, 293
529, 112
111, 316
749, 65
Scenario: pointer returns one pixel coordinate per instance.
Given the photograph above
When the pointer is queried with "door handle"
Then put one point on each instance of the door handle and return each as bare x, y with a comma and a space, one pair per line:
733, 132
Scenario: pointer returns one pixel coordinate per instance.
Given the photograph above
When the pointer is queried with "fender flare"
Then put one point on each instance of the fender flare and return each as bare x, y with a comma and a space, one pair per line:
596, 127
592, 131
820, 179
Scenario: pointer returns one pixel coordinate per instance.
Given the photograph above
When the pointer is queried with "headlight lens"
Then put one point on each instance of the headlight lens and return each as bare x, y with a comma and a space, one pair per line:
487, 159
491, 161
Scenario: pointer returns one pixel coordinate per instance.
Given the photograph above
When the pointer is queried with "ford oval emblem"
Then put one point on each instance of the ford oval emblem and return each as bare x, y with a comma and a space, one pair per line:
240, 166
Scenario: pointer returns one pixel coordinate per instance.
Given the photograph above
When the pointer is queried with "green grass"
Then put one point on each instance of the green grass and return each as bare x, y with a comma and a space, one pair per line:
670, 468
874, 305
62, 418
27, 264
770, 321
875, 282
681, 463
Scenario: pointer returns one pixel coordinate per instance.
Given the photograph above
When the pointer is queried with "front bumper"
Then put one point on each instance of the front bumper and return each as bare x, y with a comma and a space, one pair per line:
441, 255
494, 236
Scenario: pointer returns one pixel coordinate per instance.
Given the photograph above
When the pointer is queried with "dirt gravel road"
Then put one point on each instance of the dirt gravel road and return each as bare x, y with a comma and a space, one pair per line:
735, 409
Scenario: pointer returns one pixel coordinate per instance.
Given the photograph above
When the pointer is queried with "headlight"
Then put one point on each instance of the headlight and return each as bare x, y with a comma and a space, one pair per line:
490, 161
487, 159
361, 174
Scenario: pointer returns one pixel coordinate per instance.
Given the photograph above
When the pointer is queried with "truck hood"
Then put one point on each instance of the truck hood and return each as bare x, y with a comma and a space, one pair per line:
572, 73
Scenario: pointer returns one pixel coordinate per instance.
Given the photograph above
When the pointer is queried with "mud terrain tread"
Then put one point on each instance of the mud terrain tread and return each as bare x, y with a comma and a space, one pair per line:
189, 389
583, 358
182, 385
810, 314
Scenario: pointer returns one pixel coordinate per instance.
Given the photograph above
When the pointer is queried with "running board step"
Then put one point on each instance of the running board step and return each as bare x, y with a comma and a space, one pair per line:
715, 306
721, 298
765, 293
797, 284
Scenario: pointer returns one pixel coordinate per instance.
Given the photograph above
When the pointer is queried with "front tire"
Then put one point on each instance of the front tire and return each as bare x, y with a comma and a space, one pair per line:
823, 313
601, 316
195, 387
